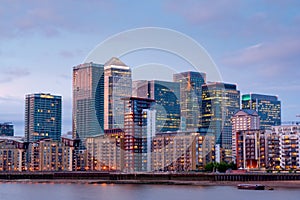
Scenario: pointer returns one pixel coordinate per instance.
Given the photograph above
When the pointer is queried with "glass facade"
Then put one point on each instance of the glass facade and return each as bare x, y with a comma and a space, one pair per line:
88, 100
167, 102
190, 98
268, 108
118, 85
138, 120
220, 101
42, 117
6, 129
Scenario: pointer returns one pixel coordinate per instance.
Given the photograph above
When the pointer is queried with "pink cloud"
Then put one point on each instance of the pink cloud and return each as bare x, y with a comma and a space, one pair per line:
262, 53
204, 11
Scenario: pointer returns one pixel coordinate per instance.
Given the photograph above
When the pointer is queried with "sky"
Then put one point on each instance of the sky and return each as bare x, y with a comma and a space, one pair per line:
254, 43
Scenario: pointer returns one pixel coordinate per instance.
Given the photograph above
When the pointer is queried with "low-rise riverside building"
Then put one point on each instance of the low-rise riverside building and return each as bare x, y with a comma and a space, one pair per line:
174, 151
12, 154
205, 150
105, 153
251, 149
287, 156
48, 155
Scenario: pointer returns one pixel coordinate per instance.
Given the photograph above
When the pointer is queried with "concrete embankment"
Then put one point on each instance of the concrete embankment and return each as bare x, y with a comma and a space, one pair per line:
150, 178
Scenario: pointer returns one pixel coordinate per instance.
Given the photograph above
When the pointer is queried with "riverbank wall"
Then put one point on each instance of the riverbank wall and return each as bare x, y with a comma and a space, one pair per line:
212, 177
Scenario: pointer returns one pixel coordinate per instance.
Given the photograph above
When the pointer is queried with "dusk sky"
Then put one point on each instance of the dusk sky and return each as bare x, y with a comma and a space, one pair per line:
254, 43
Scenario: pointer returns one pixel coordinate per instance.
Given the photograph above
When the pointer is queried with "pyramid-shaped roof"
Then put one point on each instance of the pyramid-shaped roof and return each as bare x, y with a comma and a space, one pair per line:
246, 111
115, 61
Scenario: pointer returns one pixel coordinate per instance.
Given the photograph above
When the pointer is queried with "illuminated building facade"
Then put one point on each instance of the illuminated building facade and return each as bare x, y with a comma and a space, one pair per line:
117, 85
88, 100
190, 98
268, 108
219, 103
250, 149
48, 155
139, 129
105, 152
205, 150
6, 129
12, 154
174, 151
167, 102
287, 156
77, 155
42, 117
243, 120
273, 151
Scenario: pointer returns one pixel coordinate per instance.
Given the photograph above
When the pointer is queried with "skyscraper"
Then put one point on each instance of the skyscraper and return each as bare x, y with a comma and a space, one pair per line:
190, 98
139, 128
219, 102
118, 85
268, 108
42, 117
167, 102
88, 100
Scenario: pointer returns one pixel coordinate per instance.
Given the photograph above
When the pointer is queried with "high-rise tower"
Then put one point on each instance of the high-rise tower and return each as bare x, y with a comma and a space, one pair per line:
219, 102
42, 117
268, 108
167, 102
88, 100
190, 98
118, 85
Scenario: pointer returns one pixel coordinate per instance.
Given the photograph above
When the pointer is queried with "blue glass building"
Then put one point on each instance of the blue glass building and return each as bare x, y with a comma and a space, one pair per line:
6, 129
43, 117
190, 98
220, 101
167, 102
268, 108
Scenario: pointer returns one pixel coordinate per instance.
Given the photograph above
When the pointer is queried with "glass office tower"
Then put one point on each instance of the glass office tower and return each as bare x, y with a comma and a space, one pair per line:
117, 85
190, 98
88, 100
219, 103
268, 108
167, 102
42, 117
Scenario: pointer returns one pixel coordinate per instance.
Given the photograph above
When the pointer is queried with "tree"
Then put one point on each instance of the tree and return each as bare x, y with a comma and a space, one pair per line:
210, 167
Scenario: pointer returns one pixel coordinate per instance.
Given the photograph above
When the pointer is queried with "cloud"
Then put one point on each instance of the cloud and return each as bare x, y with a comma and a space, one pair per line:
48, 18
271, 58
10, 74
10, 99
71, 54
234, 18
204, 11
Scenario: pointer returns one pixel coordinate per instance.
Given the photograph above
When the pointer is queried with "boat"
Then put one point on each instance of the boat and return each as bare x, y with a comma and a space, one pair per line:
251, 186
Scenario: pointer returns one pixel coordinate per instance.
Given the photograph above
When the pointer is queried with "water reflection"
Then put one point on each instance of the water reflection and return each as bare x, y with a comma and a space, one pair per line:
24, 191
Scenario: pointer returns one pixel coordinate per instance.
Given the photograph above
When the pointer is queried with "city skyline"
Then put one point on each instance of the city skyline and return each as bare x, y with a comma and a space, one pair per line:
259, 51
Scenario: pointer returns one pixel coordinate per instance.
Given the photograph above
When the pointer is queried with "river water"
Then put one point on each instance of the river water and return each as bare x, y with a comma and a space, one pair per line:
33, 191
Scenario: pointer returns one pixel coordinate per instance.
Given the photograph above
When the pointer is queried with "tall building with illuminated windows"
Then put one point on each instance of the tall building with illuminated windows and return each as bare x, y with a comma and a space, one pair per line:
118, 85
190, 98
139, 130
167, 102
219, 103
42, 117
268, 108
88, 100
